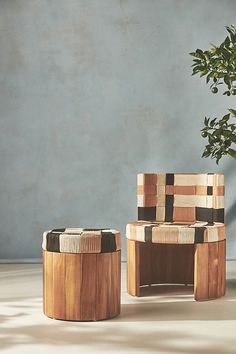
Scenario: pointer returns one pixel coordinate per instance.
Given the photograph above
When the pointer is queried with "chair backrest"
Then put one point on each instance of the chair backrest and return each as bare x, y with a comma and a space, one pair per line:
177, 197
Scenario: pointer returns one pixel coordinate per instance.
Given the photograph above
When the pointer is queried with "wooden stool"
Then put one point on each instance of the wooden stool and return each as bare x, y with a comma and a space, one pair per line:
81, 272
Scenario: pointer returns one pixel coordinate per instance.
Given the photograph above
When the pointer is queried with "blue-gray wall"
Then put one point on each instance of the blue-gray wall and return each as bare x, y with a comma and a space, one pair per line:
92, 92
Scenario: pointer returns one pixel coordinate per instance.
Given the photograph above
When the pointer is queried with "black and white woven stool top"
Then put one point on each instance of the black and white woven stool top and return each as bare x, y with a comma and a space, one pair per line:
79, 240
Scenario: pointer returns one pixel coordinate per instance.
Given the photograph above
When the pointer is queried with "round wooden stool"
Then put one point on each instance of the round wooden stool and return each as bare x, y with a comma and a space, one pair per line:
81, 274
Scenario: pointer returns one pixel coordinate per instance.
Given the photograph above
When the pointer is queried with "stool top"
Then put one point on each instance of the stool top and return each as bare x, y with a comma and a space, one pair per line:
79, 240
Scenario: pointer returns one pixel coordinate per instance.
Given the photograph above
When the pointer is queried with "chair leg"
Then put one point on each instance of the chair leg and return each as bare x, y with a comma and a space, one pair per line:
133, 270
209, 270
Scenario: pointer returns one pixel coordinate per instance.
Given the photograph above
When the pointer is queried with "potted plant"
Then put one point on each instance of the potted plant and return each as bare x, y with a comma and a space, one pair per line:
218, 64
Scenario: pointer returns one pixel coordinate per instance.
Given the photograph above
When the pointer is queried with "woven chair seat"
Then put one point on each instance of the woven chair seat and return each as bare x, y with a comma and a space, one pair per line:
166, 232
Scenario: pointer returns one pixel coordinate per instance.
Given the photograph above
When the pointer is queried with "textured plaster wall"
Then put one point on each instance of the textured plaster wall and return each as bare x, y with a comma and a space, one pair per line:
92, 92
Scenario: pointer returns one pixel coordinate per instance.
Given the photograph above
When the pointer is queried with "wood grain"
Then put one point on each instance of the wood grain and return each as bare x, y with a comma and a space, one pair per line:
201, 278
149, 263
115, 284
59, 272
172, 264
146, 265
210, 274
103, 287
73, 278
81, 287
221, 269
201, 264
213, 268
133, 269
88, 286
48, 284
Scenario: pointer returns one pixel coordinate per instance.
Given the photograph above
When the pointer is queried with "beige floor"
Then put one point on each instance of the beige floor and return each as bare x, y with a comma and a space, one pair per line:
170, 322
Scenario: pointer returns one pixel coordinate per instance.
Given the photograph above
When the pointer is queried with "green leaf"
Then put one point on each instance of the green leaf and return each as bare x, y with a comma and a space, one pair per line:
208, 78
232, 153
206, 153
232, 32
206, 120
226, 118
193, 54
229, 29
203, 73
212, 123
227, 41
226, 79
197, 60
199, 51
197, 68
219, 65
232, 111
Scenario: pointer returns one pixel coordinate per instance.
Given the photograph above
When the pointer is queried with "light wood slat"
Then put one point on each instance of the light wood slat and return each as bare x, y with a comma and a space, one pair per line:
59, 271
221, 269
88, 286
114, 306
145, 256
103, 286
73, 278
48, 283
133, 277
213, 266
201, 278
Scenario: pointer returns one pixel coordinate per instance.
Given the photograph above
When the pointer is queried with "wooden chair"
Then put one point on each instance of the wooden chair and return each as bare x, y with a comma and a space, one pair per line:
180, 234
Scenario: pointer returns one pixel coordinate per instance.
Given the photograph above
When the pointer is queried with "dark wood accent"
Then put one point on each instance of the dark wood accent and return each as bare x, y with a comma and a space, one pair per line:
165, 263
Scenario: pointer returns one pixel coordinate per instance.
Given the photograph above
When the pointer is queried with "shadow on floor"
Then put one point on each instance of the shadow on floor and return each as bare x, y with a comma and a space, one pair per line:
215, 310
155, 315
179, 291
145, 340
